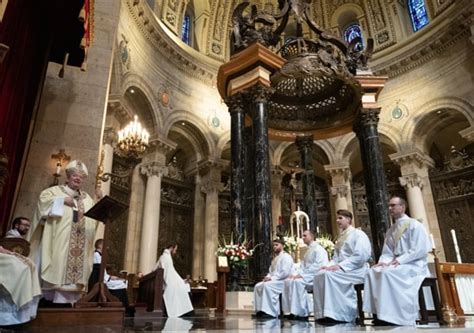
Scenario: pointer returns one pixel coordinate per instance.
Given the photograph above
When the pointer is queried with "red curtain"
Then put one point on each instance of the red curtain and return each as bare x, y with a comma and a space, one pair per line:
26, 31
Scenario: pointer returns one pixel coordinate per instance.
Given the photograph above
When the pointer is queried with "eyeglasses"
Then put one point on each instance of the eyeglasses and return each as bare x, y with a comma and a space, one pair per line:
393, 205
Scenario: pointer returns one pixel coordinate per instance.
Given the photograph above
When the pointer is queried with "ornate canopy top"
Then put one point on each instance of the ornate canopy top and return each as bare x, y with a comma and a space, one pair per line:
316, 89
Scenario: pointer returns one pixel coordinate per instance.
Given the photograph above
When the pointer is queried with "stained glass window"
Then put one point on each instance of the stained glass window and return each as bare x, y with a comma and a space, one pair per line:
351, 32
418, 14
186, 29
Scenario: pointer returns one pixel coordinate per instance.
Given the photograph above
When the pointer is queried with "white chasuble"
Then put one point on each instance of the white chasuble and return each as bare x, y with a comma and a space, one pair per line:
295, 298
392, 292
266, 293
334, 294
175, 294
20, 291
62, 243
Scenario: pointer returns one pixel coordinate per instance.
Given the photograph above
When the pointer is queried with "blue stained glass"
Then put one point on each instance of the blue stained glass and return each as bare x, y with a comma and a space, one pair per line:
351, 32
418, 14
185, 30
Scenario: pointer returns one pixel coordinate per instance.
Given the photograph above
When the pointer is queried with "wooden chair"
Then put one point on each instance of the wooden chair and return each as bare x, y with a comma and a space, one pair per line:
150, 291
424, 318
18, 245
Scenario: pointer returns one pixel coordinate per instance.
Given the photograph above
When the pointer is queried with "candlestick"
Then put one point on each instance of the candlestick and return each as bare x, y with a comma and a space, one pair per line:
58, 168
432, 242
317, 230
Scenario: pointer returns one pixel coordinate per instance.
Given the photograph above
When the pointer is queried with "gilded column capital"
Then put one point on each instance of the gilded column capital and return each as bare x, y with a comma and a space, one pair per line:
414, 161
366, 117
340, 174
235, 103
339, 191
212, 187
260, 93
411, 181
153, 169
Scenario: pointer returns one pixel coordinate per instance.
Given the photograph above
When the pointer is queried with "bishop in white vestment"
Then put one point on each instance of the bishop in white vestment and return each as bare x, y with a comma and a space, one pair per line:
175, 294
62, 238
391, 287
267, 292
295, 299
334, 294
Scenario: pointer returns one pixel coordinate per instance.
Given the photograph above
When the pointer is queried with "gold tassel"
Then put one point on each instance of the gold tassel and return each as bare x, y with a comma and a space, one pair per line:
82, 15
61, 71
84, 63
83, 43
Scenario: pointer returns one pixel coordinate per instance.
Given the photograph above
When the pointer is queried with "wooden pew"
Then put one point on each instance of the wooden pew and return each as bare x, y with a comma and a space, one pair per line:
18, 245
150, 291
448, 271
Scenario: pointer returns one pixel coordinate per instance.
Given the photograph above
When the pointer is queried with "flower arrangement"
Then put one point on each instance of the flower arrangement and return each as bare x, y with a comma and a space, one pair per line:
291, 244
238, 253
326, 242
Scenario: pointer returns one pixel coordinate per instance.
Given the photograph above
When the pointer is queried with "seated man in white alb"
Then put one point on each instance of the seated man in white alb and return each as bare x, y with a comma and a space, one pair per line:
334, 294
20, 289
176, 297
20, 227
267, 292
295, 296
391, 287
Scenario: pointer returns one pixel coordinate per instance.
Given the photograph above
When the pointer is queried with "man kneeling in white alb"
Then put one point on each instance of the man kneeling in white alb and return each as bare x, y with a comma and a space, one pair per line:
391, 287
334, 294
267, 292
295, 301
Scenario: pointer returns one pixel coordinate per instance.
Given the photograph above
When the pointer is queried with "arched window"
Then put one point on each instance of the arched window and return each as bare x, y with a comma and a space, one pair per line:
353, 31
418, 14
186, 30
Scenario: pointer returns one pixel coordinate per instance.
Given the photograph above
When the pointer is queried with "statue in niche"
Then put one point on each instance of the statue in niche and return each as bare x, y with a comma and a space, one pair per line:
219, 18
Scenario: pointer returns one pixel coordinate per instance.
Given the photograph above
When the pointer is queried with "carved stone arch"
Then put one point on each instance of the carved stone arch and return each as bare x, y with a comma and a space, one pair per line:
208, 146
419, 129
279, 150
134, 80
222, 143
346, 14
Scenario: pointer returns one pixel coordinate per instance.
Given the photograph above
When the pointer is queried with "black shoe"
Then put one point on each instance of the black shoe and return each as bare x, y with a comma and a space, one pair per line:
378, 322
289, 316
188, 314
262, 315
326, 321
301, 318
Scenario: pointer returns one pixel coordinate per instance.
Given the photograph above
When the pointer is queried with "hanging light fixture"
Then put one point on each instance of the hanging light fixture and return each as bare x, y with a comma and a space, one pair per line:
133, 139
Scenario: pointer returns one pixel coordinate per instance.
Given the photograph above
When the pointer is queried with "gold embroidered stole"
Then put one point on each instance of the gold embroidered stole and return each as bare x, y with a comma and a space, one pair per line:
398, 235
77, 240
342, 238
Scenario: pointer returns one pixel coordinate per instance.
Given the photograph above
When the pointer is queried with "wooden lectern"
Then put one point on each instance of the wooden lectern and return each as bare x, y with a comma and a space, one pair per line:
106, 210
222, 270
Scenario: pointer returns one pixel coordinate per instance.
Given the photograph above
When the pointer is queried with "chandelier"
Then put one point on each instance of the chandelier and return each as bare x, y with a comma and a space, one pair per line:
133, 139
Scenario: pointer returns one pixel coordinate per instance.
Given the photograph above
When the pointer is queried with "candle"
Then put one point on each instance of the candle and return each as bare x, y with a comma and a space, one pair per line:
432, 242
456, 247
317, 230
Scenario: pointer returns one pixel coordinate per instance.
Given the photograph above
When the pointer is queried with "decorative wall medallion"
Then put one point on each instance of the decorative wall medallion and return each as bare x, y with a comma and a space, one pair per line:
213, 120
164, 96
382, 37
398, 111
216, 48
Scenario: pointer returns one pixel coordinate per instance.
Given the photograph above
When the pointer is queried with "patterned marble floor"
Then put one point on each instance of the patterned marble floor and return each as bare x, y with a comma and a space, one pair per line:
203, 322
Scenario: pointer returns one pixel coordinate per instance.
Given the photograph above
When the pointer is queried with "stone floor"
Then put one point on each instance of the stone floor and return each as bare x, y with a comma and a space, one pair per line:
203, 322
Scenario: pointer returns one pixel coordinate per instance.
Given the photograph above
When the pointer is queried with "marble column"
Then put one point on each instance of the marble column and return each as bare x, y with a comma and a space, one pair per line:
339, 194
305, 147
414, 168
236, 110
413, 185
340, 179
277, 177
151, 215
198, 232
365, 128
134, 225
249, 185
259, 96
211, 187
